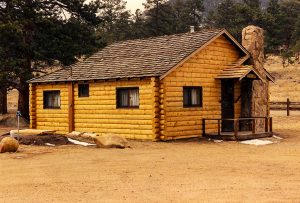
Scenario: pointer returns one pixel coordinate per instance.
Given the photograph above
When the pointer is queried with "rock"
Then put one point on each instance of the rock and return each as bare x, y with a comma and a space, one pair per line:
111, 141
9, 144
82, 136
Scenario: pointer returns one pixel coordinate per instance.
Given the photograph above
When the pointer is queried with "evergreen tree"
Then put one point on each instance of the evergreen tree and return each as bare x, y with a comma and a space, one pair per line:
274, 26
35, 33
195, 11
158, 17
227, 15
138, 25
291, 10
116, 21
296, 37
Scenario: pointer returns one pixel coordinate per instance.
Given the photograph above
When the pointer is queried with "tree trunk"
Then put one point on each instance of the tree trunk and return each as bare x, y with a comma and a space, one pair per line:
3, 101
23, 102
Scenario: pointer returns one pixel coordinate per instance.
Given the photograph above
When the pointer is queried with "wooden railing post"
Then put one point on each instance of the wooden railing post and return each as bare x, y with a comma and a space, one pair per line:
253, 126
236, 129
203, 127
266, 124
271, 124
219, 128
288, 107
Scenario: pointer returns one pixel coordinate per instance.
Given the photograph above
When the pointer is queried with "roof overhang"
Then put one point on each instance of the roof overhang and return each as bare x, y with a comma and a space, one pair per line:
269, 76
240, 72
222, 32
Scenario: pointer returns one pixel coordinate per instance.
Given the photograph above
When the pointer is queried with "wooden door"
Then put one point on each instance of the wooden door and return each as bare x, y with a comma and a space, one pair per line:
227, 100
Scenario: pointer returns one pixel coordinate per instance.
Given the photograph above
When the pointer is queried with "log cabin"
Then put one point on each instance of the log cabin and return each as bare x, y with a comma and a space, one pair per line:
169, 87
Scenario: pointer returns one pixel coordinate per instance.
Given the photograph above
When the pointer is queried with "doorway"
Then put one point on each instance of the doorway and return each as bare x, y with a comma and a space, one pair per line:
227, 102
246, 104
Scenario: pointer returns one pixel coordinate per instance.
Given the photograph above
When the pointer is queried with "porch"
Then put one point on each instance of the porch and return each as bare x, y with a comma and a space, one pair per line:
242, 128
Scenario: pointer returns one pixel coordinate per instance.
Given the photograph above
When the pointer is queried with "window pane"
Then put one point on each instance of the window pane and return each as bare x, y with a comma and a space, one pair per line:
128, 97
134, 97
186, 97
52, 99
124, 98
195, 94
83, 90
192, 96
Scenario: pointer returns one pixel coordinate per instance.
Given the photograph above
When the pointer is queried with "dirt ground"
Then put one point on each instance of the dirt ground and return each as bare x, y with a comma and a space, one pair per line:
182, 171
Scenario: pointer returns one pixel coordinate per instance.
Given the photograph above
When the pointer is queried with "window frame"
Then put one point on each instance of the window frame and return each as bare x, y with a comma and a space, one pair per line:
79, 93
190, 105
118, 98
44, 97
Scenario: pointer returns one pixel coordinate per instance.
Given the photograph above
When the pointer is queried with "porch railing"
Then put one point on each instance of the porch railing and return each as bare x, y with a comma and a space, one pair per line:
268, 125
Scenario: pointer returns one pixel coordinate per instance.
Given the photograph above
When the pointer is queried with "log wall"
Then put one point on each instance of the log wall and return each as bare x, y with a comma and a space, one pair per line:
49, 119
98, 113
200, 70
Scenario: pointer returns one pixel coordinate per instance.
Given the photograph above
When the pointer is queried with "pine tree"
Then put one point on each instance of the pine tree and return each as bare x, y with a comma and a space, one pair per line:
117, 21
296, 37
138, 25
36, 33
159, 17
274, 26
227, 15
195, 11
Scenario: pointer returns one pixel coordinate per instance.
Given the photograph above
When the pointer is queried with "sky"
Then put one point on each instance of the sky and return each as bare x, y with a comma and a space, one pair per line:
135, 4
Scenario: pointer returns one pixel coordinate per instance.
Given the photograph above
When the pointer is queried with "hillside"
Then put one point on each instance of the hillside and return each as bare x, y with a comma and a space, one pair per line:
287, 84
212, 4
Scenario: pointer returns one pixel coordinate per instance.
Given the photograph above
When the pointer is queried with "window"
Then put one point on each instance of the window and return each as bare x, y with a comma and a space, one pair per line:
128, 97
83, 90
52, 99
192, 96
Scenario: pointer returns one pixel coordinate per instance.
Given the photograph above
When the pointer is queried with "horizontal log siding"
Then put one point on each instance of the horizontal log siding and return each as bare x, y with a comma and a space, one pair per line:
200, 70
49, 119
98, 113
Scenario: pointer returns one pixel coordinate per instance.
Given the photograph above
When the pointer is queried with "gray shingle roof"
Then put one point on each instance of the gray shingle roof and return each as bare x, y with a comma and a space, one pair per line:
134, 58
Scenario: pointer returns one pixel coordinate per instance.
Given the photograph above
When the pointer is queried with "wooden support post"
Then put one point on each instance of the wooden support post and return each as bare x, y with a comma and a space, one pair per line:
71, 106
203, 128
236, 129
266, 124
271, 124
32, 105
219, 128
253, 126
288, 107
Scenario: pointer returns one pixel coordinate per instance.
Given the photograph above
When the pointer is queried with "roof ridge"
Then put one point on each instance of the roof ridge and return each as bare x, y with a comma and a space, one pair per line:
167, 36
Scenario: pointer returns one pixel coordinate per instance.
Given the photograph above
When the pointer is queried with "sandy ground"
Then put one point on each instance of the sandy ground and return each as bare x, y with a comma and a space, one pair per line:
182, 171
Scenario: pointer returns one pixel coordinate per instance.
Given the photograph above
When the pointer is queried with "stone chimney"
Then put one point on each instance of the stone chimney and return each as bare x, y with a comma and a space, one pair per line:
253, 41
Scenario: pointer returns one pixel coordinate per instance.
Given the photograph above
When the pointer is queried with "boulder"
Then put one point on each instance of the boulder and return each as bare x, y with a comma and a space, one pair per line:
82, 136
111, 141
9, 144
